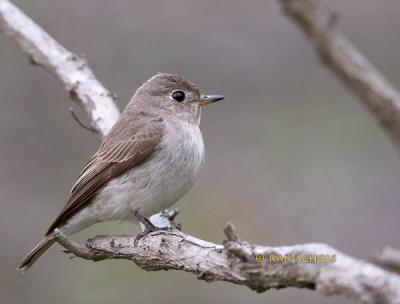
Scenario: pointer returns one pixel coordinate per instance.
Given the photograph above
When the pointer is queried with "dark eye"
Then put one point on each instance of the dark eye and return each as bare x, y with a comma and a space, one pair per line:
179, 96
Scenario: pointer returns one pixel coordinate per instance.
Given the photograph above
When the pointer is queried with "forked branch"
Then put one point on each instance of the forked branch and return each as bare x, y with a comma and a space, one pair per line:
72, 70
312, 266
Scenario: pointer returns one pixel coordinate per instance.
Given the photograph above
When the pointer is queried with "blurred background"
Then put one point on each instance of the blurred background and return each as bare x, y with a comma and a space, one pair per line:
292, 156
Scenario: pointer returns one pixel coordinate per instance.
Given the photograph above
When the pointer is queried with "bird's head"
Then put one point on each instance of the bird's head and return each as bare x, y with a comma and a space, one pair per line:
174, 95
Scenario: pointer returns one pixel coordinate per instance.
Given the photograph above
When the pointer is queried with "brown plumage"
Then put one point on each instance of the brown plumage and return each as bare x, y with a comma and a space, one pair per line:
151, 128
113, 158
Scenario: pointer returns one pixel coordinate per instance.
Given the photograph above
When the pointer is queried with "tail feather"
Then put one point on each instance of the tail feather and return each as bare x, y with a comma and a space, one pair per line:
36, 252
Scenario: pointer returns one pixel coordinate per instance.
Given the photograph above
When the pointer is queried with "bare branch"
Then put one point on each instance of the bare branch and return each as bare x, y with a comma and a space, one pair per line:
78, 250
75, 117
71, 69
257, 267
312, 266
356, 72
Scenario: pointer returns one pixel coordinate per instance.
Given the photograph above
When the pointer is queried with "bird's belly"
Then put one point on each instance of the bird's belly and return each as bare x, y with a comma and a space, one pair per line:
158, 182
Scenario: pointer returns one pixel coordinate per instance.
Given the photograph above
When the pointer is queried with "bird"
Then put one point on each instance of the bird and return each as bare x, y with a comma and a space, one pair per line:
150, 158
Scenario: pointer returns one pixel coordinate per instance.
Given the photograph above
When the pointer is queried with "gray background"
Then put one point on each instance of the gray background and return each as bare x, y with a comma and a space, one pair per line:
292, 156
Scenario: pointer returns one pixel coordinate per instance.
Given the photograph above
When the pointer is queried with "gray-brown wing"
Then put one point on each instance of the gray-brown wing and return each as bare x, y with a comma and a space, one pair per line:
110, 161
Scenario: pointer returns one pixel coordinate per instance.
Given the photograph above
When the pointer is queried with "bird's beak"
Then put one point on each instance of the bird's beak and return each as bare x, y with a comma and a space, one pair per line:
207, 99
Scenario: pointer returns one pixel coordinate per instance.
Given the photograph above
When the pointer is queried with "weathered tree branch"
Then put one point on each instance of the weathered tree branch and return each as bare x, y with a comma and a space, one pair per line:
319, 23
312, 266
257, 267
71, 69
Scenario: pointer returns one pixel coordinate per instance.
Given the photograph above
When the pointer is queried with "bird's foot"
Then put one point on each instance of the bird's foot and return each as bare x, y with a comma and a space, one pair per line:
148, 227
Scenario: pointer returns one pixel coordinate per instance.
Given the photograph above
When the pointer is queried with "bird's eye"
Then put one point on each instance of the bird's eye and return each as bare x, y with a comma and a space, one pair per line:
179, 96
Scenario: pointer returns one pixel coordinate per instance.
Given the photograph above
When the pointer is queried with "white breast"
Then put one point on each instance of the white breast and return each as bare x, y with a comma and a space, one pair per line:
158, 182
179, 161
152, 186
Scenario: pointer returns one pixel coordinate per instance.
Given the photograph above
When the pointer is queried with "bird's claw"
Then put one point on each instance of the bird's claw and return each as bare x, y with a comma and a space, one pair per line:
150, 227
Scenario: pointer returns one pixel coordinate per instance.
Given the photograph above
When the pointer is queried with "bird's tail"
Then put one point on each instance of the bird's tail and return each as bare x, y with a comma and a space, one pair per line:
36, 252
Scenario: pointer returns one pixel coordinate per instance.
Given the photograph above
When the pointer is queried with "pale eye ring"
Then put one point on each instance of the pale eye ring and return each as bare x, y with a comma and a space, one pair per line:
178, 96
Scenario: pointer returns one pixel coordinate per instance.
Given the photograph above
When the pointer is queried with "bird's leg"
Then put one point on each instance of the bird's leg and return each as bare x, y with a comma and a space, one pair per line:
160, 221
144, 221
148, 226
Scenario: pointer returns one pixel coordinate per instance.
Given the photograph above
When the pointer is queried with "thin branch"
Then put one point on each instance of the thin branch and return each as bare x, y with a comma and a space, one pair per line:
319, 23
312, 266
78, 250
257, 267
75, 117
71, 69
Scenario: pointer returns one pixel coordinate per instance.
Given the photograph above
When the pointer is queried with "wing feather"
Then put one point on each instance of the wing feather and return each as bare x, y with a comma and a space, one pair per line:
112, 159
